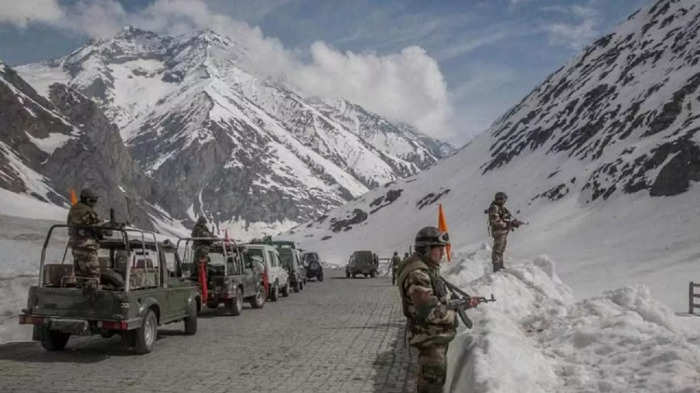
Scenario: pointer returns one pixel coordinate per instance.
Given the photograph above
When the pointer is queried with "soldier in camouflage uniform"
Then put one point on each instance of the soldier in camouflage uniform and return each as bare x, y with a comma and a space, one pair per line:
424, 297
395, 261
84, 241
201, 247
501, 222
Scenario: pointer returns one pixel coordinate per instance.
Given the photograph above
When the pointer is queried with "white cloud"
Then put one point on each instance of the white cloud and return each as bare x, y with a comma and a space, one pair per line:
21, 13
406, 86
576, 34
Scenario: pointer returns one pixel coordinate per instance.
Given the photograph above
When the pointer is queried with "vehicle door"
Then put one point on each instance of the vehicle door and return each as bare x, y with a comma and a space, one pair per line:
177, 287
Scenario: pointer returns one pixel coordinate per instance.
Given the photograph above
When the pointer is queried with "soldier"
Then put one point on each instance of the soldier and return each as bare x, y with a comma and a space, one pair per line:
201, 247
500, 223
395, 261
84, 241
424, 298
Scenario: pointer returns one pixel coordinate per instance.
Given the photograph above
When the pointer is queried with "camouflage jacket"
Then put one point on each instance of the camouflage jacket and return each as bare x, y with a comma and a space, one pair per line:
81, 214
425, 298
499, 219
201, 230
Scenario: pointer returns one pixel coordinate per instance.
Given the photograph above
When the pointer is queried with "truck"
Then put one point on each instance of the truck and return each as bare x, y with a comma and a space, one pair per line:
152, 292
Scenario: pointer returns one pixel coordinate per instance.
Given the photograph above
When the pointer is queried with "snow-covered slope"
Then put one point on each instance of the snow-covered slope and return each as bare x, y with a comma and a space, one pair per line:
602, 159
246, 151
536, 338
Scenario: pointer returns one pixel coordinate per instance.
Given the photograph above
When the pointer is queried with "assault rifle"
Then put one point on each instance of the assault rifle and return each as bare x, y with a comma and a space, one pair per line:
460, 301
515, 223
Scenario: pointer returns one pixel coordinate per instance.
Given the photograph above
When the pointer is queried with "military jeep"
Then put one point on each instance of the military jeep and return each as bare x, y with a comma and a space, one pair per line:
362, 262
232, 276
141, 287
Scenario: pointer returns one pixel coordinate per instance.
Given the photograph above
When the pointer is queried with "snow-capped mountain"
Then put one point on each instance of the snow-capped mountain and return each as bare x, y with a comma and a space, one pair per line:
246, 151
50, 145
602, 158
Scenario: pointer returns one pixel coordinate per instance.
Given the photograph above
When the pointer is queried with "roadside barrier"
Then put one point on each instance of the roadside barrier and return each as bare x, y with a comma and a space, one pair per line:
692, 304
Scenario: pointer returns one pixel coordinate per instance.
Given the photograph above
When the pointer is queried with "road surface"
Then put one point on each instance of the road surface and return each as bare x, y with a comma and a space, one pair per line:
340, 335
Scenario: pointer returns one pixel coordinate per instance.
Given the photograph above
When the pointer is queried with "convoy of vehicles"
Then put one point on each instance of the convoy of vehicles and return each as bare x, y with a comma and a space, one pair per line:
145, 284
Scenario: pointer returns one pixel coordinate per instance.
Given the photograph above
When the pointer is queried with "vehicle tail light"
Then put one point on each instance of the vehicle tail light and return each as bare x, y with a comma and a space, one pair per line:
114, 325
30, 320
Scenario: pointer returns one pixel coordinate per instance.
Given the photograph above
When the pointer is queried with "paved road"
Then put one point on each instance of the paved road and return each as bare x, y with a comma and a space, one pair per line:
336, 336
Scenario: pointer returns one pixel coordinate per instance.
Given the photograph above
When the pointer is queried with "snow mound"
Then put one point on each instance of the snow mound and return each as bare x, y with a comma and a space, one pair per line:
535, 338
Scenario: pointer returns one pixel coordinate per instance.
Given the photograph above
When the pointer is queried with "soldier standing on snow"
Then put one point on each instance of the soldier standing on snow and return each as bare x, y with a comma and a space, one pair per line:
500, 223
424, 297
395, 261
84, 241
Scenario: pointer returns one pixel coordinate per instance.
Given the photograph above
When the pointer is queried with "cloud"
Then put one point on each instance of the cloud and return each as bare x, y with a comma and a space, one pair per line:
23, 13
406, 86
579, 31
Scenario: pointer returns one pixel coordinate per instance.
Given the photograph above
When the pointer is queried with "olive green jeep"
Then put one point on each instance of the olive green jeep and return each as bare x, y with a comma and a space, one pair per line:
141, 287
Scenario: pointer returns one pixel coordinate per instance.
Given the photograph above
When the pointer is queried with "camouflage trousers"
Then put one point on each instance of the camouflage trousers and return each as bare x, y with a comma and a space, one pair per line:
499, 247
86, 265
432, 368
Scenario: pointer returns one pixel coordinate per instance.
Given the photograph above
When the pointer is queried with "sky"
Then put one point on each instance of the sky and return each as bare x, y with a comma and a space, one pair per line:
448, 67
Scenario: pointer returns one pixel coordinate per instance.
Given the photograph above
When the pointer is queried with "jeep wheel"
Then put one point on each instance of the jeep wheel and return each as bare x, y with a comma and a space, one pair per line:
53, 340
235, 305
347, 274
275, 293
373, 274
320, 276
147, 333
191, 320
285, 290
297, 286
259, 300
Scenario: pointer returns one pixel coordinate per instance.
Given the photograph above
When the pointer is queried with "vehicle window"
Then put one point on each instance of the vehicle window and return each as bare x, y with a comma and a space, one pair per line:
273, 260
286, 257
216, 259
255, 252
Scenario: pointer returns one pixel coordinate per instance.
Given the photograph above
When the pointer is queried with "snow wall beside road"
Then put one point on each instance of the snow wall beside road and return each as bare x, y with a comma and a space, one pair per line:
536, 339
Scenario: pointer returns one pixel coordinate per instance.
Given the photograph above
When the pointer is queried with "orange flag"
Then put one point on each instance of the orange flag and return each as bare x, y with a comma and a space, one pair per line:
73, 197
442, 226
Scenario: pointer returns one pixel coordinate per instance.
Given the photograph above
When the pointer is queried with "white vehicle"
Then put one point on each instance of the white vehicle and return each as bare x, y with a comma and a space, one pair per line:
276, 274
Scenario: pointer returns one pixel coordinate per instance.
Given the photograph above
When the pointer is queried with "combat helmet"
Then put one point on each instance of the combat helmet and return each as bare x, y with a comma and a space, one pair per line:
88, 196
431, 237
501, 195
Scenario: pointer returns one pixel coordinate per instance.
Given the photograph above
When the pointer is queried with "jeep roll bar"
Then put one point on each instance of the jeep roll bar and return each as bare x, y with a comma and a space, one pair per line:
225, 248
124, 231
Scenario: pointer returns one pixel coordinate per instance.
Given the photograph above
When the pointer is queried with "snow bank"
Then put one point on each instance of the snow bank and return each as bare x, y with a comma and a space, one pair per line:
535, 338
13, 298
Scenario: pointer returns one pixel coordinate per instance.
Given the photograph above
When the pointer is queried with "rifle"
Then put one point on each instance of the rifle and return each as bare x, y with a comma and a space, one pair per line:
515, 223
460, 301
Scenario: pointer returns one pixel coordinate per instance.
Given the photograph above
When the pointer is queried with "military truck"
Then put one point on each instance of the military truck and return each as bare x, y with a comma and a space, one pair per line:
232, 277
362, 262
151, 292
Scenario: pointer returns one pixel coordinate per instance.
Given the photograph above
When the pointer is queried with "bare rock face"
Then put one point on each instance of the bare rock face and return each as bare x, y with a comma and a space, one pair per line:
49, 147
